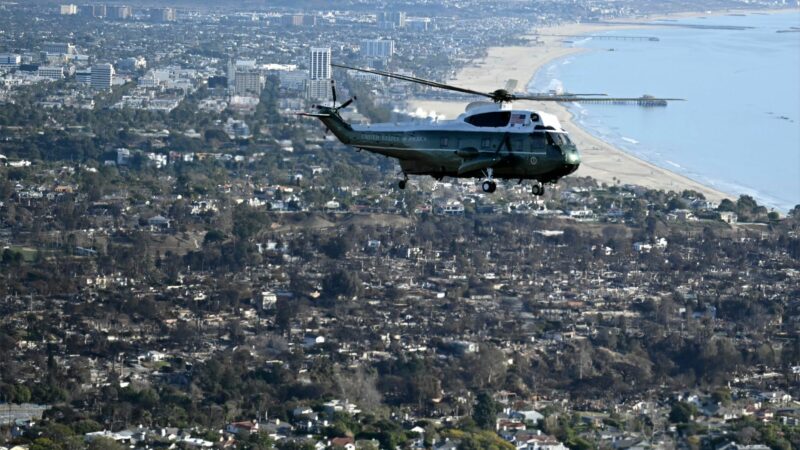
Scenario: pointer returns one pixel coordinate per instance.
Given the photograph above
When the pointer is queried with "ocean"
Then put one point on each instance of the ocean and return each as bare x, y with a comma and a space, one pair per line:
738, 131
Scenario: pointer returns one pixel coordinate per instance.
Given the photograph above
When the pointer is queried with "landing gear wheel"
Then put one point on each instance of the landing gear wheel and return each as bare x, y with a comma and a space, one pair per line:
489, 186
401, 184
537, 189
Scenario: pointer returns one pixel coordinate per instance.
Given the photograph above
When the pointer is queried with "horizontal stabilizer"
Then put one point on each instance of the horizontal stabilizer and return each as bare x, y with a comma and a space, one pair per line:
479, 163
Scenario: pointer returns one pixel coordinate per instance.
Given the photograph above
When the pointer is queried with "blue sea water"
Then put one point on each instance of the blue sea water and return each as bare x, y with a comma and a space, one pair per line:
739, 131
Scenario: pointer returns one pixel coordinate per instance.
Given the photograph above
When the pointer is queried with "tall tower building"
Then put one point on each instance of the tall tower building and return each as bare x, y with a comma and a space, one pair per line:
102, 76
163, 14
68, 10
320, 63
395, 19
119, 12
98, 10
319, 76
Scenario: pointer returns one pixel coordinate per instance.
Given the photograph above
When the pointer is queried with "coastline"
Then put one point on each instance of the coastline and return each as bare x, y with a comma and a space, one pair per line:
600, 159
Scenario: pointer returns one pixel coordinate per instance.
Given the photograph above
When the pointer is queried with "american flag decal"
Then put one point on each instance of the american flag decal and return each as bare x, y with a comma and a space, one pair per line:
517, 119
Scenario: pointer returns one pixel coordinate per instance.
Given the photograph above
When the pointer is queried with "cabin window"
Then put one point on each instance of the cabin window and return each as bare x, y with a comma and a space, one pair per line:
538, 140
490, 119
534, 117
443, 142
486, 143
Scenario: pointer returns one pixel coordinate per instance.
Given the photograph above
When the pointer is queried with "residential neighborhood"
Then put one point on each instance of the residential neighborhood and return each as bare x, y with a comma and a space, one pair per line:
186, 263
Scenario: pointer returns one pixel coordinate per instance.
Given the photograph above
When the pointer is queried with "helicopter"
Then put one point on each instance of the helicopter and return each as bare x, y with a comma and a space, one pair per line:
490, 140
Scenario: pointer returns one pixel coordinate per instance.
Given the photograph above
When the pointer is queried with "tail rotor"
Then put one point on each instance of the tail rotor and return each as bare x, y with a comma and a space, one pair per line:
333, 97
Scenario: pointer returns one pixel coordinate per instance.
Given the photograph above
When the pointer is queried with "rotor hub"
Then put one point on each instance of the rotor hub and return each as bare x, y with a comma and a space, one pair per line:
502, 96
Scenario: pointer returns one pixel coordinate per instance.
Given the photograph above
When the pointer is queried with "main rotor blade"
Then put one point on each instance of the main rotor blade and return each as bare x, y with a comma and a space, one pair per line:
596, 99
411, 79
503, 95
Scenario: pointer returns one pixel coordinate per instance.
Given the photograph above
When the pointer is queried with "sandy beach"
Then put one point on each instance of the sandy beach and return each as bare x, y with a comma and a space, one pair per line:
600, 159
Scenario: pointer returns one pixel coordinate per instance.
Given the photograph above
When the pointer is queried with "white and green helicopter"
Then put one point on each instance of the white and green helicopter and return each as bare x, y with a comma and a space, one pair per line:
489, 140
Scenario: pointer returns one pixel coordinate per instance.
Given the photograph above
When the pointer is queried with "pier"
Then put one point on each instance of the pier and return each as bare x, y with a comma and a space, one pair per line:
645, 100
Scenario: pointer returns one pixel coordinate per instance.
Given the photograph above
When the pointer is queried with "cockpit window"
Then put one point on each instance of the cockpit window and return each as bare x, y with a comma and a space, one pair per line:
558, 139
491, 119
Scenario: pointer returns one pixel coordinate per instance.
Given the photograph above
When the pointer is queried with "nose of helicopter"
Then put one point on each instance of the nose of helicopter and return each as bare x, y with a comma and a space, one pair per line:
572, 160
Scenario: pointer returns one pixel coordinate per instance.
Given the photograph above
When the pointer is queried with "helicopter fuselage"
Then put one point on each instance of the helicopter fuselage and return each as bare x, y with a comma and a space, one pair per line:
488, 140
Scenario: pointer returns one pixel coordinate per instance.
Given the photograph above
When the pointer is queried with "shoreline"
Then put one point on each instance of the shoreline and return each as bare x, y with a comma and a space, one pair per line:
601, 160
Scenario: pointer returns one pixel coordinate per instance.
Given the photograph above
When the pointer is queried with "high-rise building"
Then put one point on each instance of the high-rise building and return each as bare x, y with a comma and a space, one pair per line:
163, 14
97, 10
395, 19
102, 76
59, 48
319, 64
319, 73
119, 12
248, 82
298, 20
243, 65
377, 48
51, 72
319, 89
69, 10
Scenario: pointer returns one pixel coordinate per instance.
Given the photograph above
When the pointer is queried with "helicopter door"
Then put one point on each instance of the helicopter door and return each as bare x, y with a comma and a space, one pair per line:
517, 145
